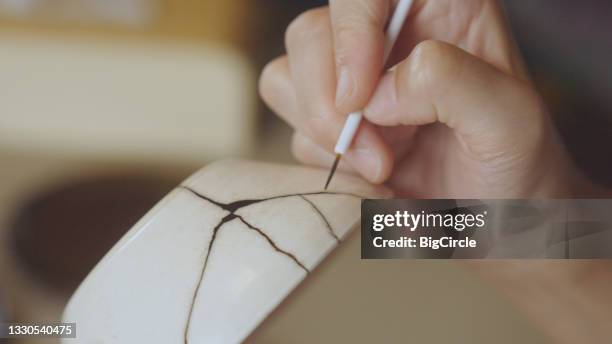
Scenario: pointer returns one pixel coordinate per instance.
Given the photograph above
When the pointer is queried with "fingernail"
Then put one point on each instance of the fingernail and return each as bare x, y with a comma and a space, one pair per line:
367, 161
345, 86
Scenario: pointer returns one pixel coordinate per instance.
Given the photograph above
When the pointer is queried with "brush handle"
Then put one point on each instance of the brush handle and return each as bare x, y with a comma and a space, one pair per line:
348, 132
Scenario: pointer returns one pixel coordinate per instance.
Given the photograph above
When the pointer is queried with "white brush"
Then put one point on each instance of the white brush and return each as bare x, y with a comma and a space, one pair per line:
354, 119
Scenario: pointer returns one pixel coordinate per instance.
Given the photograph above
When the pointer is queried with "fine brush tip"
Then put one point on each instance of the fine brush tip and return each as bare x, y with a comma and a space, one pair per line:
333, 170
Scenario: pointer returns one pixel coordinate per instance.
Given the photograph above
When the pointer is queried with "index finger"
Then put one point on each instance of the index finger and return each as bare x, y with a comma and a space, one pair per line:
358, 31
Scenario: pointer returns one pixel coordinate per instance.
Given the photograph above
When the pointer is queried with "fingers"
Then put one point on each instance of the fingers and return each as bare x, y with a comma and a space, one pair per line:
276, 90
439, 82
476, 26
400, 139
301, 89
310, 55
358, 37
309, 153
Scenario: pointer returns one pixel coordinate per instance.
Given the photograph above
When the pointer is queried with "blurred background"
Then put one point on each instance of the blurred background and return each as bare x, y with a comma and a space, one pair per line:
105, 105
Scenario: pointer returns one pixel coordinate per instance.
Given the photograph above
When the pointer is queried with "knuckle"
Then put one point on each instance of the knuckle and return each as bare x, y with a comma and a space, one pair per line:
431, 66
353, 29
307, 25
267, 79
360, 16
430, 49
317, 124
348, 38
430, 61
299, 147
352, 26
319, 129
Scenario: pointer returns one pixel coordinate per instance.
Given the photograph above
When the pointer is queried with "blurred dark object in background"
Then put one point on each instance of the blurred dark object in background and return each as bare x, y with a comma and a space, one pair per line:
568, 48
60, 235
267, 41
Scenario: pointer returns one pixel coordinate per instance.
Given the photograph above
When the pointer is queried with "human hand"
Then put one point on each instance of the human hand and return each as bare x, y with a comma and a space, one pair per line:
457, 116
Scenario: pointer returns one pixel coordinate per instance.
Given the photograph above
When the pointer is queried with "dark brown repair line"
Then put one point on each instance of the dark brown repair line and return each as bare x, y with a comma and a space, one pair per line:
233, 206
318, 211
312, 194
223, 221
278, 249
226, 219
199, 195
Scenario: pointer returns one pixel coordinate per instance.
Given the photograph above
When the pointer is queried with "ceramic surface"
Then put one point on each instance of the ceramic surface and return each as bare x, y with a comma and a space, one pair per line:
217, 255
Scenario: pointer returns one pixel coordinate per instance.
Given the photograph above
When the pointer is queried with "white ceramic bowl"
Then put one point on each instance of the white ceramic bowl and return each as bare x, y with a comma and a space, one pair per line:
211, 260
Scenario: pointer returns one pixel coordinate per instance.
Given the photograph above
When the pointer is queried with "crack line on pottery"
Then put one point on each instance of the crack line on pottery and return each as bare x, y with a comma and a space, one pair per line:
278, 249
320, 213
232, 207
224, 220
236, 205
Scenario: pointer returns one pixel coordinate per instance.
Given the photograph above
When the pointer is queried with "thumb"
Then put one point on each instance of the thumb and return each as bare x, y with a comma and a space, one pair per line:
438, 82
